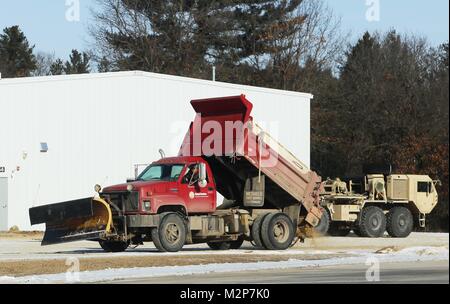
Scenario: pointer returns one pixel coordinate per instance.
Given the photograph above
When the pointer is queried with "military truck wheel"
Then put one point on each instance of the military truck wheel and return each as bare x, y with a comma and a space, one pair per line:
113, 246
338, 229
277, 231
399, 222
170, 236
256, 231
372, 222
324, 224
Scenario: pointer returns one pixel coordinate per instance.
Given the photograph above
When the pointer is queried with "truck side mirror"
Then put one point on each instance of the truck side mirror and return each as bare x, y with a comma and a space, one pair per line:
202, 175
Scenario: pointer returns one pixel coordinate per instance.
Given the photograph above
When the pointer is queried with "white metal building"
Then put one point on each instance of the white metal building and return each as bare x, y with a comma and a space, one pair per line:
61, 135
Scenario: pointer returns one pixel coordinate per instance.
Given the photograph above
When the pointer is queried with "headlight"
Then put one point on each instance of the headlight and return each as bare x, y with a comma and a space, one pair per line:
146, 206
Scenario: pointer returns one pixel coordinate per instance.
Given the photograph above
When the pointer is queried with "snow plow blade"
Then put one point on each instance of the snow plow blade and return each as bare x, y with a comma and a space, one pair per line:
83, 219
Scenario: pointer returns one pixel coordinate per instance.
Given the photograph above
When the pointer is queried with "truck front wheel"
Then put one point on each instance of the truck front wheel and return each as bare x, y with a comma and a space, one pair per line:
170, 235
372, 222
277, 231
399, 222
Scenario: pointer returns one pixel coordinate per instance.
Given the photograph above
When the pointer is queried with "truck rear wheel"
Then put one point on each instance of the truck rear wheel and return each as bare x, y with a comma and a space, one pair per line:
170, 235
277, 231
256, 231
399, 222
113, 246
372, 222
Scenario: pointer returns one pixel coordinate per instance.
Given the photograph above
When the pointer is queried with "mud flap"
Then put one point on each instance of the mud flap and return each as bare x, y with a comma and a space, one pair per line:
83, 219
313, 217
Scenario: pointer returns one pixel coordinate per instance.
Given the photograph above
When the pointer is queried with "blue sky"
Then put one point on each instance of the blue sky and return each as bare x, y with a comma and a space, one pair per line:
44, 21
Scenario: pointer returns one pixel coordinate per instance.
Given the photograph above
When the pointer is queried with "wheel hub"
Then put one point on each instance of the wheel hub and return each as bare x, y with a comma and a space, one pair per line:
375, 222
280, 232
172, 233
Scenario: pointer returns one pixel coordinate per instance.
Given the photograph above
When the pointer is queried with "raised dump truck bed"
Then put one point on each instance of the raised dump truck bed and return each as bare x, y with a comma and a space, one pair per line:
250, 167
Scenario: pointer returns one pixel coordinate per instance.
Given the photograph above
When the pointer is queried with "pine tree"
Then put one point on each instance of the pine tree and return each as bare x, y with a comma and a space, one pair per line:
79, 63
16, 54
57, 67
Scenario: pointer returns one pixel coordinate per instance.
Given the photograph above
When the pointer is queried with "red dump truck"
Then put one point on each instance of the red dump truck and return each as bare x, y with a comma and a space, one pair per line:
271, 197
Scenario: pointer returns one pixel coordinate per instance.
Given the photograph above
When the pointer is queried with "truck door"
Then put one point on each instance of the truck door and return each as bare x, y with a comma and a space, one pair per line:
424, 197
3, 204
198, 199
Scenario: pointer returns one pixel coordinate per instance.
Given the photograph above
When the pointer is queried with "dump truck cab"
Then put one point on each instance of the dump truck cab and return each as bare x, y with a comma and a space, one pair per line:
174, 184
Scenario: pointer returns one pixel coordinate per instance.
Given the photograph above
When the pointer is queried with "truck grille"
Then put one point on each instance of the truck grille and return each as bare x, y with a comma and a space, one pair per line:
128, 201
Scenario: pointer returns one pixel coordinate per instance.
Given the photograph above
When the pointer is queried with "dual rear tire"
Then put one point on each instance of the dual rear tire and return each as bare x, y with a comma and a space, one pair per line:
400, 222
273, 231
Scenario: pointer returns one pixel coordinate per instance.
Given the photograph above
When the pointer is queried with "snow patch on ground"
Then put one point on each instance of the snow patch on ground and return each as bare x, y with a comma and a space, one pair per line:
406, 255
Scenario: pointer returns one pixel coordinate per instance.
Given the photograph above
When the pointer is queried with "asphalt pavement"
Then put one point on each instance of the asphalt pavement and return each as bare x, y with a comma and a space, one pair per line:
433, 272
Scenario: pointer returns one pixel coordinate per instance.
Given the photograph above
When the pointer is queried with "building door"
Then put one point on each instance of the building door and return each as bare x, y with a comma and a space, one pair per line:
3, 204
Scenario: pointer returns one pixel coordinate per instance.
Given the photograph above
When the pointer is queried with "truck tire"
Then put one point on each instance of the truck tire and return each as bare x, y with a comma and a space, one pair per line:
324, 224
170, 235
372, 222
113, 246
155, 234
399, 222
338, 229
256, 231
277, 231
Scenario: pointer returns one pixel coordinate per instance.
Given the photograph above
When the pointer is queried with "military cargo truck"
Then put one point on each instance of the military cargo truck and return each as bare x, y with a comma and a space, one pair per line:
378, 203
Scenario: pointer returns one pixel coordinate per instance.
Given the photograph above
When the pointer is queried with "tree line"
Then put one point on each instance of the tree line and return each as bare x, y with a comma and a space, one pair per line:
382, 99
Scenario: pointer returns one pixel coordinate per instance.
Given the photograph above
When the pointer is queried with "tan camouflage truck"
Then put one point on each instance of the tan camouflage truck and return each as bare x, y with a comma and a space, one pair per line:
394, 203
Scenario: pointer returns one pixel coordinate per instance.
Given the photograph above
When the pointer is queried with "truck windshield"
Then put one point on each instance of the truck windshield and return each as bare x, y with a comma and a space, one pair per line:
161, 173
